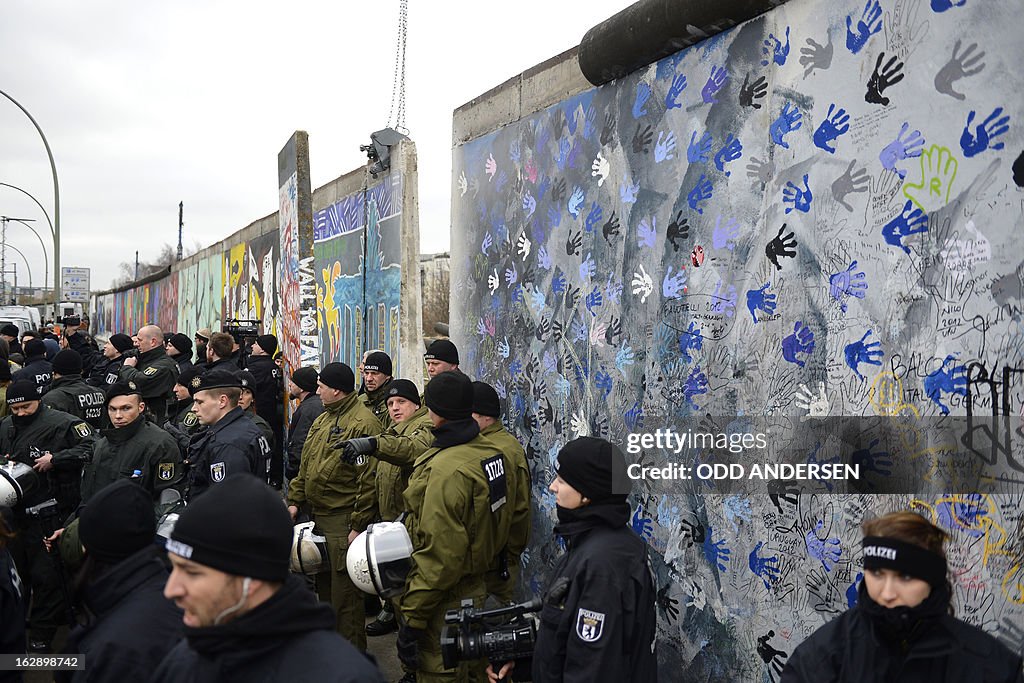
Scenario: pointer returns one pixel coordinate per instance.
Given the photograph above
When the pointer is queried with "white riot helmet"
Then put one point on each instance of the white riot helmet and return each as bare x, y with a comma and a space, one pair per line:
379, 559
17, 480
309, 550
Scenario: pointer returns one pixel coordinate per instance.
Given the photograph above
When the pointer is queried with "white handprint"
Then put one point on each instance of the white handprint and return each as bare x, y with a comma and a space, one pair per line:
817, 405
492, 281
524, 245
642, 284
580, 427
600, 169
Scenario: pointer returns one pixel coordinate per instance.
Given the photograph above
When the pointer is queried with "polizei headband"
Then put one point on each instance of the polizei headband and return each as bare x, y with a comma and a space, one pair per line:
906, 558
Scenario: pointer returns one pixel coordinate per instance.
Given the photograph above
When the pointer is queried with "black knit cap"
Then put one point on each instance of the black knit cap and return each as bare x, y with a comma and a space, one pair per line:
442, 349
247, 380
67, 362
117, 521
594, 467
378, 361
121, 342
122, 388
338, 376
22, 391
404, 388
34, 347
10, 329
268, 343
306, 378
182, 343
450, 395
240, 527
485, 400
215, 379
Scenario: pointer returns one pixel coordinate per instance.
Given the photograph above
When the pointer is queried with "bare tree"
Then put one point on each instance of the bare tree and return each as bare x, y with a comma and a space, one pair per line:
166, 256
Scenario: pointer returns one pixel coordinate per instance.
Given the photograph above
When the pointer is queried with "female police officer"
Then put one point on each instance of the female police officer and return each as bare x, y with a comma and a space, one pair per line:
598, 618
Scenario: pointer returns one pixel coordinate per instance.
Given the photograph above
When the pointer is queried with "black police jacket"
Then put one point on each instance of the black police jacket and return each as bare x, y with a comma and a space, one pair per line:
863, 644
73, 396
267, 394
290, 637
155, 375
234, 444
183, 362
226, 364
130, 627
302, 419
598, 620
183, 424
13, 601
141, 446
84, 345
36, 369
105, 371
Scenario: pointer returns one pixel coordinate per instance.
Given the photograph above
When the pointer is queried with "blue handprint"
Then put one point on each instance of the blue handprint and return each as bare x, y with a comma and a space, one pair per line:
665, 147
603, 382
690, 340
765, 568
564, 147
646, 232
788, 121
853, 591
587, 268
827, 550
695, 385
943, 5
858, 352
760, 300
714, 83
699, 150
642, 525
901, 148
717, 554
589, 123
847, 283
724, 236
966, 512
724, 301
625, 357
558, 283
796, 197
986, 131
594, 300
537, 301
731, 151
948, 379
554, 216
910, 221
878, 462
613, 289
700, 193
643, 93
870, 23
800, 341
486, 244
628, 191
511, 275
514, 152
593, 217
634, 417
674, 91
737, 508
499, 386
529, 204
502, 348
576, 201
544, 258
673, 286
774, 50
836, 123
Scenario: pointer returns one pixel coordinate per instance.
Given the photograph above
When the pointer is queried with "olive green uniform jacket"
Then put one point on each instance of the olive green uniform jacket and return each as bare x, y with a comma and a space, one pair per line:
141, 446
397, 449
519, 499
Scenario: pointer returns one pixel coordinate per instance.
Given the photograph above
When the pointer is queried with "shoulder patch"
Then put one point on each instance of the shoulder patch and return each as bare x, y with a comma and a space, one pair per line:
494, 470
190, 419
218, 471
150, 371
165, 471
83, 429
589, 625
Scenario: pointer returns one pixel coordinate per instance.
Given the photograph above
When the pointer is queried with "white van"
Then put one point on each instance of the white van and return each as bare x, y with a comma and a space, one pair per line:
23, 317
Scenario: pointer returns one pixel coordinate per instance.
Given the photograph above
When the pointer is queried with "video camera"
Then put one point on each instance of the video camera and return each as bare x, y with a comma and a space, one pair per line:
244, 332
500, 635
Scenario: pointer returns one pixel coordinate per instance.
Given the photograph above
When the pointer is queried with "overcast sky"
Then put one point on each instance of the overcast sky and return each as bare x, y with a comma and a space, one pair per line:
146, 104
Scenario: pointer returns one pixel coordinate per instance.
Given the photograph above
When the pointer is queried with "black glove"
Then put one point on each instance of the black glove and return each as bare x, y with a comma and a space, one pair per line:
408, 645
353, 448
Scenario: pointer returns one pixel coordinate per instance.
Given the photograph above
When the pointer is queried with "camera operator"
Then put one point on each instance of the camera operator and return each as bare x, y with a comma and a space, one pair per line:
598, 620
153, 371
104, 373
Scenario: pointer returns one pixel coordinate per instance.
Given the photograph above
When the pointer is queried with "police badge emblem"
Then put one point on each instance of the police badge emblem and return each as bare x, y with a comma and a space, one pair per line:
589, 625
360, 460
190, 420
149, 372
83, 430
217, 471
132, 385
196, 382
165, 471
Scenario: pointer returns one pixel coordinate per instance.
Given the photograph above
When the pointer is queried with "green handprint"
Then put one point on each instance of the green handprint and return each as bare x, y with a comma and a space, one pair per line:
938, 171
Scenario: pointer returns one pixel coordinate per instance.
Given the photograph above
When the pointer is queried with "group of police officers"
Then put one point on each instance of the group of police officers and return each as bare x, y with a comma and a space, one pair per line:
360, 448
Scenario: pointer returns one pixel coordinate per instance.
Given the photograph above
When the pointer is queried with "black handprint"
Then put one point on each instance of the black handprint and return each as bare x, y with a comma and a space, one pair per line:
694, 532
612, 332
611, 228
546, 413
529, 274
572, 297
543, 328
608, 132
753, 91
668, 604
557, 331
573, 242
558, 190
781, 246
882, 78
642, 140
678, 229
530, 421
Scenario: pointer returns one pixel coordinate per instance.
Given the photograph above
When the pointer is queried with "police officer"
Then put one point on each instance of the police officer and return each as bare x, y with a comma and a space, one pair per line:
458, 518
36, 368
182, 422
69, 392
153, 371
9, 333
179, 348
598, 622
442, 356
77, 339
219, 352
376, 379
340, 494
231, 443
104, 372
302, 385
247, 403
267, 396
503, 580
57, 444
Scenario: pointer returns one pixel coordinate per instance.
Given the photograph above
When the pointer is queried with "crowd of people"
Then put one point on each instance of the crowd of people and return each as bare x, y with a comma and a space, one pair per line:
163, 526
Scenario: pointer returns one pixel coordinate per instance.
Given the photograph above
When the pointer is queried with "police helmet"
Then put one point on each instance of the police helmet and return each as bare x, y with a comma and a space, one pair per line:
309, 550
379, 559
17, 481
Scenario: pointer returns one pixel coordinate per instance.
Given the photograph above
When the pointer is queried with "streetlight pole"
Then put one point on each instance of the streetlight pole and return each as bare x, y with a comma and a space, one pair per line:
28, 267
46, 258
56, 205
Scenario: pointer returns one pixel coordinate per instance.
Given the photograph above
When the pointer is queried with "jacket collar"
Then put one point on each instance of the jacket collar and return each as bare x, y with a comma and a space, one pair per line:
152, 354
129, 431
231, 416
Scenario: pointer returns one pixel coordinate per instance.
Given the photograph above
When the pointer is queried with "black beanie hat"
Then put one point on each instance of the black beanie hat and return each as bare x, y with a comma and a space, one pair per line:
450, 395
268, 343
306, 378
122, 388
404, 388
485, 400
67, 362
594, 467
338, 376
442, 349
10, 329
117, 521
189, 375
240, 527
34, 347
21, 391
378, 361
121, 342
182, 343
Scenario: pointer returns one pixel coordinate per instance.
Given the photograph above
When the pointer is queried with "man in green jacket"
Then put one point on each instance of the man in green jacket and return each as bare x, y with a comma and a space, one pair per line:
339, 494
503, 579
153, 371
458, 518
70, 393
376, 380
